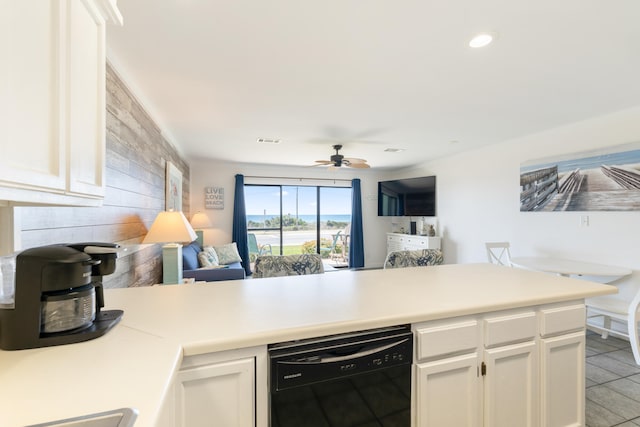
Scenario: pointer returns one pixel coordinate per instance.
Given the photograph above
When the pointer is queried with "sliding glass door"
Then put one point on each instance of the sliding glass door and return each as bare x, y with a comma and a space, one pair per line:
299, 223
335, 219
284, 220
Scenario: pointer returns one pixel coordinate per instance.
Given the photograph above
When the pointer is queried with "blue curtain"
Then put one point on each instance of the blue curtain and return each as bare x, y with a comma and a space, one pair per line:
356, 248
239, 234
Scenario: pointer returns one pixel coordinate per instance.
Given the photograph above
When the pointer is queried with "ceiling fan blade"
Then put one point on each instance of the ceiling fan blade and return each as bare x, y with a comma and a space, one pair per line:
354, 160
324, 162
358, 165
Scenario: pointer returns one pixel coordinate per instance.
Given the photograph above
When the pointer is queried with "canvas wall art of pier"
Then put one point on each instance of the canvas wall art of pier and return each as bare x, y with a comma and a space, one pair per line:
597, 180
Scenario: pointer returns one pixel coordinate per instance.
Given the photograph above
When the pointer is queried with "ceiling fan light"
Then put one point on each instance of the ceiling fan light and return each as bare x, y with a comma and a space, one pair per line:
481, 40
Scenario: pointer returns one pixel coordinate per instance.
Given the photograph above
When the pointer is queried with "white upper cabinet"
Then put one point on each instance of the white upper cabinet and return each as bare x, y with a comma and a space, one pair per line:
86, 106
52, 100
31, 137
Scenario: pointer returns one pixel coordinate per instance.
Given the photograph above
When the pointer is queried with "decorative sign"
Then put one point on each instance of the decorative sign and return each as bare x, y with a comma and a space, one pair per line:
214, 197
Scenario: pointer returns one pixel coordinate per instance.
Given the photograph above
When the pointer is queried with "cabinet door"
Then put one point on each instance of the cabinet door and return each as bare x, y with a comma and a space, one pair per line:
86, 98
221, 394
511, 386
562, 396
448, 392
32, 152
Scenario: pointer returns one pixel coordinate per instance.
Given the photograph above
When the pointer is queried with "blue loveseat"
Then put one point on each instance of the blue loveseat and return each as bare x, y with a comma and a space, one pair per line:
191, 267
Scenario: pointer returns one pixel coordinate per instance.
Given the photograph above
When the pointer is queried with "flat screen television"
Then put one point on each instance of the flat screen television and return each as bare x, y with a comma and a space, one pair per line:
407, 197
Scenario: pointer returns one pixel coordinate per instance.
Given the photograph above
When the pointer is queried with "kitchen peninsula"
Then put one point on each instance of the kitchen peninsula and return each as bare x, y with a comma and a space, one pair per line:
474, 313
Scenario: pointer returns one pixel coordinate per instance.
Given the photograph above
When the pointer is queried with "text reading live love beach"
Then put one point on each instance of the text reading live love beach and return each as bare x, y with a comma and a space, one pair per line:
214, 197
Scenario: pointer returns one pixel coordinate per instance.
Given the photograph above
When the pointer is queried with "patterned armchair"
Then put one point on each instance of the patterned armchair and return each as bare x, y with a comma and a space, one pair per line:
287, 265
416, 258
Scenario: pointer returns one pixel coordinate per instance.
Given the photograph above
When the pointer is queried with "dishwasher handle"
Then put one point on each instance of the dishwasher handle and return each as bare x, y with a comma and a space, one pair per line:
348, 357
332, 362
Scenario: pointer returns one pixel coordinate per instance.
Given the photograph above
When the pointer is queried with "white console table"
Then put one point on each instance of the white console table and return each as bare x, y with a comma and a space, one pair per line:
408, 242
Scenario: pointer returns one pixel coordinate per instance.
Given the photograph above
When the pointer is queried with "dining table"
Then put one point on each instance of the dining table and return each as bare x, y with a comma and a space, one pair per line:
566, 267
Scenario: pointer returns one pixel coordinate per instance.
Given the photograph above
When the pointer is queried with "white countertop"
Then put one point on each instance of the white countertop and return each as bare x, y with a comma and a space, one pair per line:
124, 368
133, 364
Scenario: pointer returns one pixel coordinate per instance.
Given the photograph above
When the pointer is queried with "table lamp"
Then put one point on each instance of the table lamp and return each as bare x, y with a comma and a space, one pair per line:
169, 228
199, 221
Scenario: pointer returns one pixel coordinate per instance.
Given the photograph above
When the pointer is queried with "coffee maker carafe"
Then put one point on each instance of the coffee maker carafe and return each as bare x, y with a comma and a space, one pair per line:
58, 296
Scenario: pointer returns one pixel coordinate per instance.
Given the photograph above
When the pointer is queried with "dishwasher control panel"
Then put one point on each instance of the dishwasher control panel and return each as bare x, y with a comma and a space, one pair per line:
299, 363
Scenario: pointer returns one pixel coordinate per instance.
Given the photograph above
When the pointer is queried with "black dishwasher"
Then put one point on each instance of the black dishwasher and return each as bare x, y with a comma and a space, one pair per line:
355, 379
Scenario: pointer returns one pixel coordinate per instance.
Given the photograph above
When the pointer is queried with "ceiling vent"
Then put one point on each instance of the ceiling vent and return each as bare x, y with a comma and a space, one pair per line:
268, 141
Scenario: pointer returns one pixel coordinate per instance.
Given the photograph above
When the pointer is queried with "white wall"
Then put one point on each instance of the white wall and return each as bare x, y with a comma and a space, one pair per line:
206, 173
478, 200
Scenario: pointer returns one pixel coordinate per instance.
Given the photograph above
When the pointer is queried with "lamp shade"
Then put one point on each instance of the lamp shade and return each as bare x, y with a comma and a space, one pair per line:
170, 227
200, 220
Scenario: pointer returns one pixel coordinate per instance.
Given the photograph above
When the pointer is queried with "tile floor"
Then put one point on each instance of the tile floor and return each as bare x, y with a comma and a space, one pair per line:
613, 383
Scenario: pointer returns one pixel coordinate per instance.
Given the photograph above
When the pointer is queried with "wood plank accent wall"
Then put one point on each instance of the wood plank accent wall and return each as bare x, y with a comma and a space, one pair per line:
136, 156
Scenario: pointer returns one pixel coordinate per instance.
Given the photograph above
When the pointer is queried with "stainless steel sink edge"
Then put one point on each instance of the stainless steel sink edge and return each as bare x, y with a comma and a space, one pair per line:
123, 417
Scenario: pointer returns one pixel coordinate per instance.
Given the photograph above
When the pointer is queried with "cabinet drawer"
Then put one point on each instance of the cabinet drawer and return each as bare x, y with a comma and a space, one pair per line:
415, 245
441, 339
559, 320
508, 329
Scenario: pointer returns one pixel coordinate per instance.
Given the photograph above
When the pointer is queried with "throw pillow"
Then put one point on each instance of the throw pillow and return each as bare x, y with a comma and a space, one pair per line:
190, 256
208, 257
228, 253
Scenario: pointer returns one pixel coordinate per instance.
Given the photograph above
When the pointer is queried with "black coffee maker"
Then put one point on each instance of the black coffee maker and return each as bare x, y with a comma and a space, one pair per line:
58, 296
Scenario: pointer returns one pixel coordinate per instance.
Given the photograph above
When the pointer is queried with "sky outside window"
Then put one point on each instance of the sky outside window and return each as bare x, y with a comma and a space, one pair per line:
335, 200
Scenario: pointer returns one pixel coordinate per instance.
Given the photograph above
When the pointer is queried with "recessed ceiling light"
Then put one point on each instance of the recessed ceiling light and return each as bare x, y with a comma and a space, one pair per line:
269, 141
481, 40
394, 150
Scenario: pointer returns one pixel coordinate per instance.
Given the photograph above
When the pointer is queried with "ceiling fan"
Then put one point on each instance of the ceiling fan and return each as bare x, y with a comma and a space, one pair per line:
338, 160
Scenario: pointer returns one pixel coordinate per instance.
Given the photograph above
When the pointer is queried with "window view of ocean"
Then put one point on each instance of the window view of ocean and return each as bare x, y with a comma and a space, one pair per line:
299, 229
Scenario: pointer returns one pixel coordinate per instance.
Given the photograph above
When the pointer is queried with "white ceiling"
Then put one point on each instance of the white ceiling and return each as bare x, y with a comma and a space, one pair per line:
372, 74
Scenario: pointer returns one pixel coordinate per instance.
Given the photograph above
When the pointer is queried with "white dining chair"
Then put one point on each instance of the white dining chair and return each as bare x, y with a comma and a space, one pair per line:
498, 253
613, 310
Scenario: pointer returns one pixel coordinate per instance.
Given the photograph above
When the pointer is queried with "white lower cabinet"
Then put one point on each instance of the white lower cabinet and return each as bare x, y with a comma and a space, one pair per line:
222, 389
563, 366
520, 368
449, 392
511, 386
